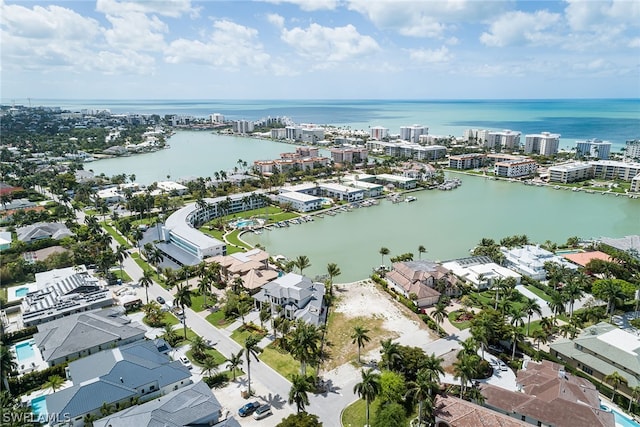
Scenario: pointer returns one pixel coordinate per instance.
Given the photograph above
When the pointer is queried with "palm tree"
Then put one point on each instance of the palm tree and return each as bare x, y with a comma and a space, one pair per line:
7, 365
369, 388
302, 262
183, 299
440, 313
333, 271
146, 280
89, 419
383, 251
421, 250
244, 307
106, 409
531, 307
615, 379
635, 395
420, 389
204, 287
209, 364
54, 382
557, 303
390, 353
300, 385
121, 254
234, 362
251, 349
198, 347
305, 343
539, 336
572, 291
170, 335
465, 369
516, 335
432, 367
155, 257
360, 338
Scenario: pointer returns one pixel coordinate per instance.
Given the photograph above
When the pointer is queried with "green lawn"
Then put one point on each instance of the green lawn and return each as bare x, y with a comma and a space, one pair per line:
460, 325
233, 239
190, 336
122, 275
241, 334
116, 236
282, 217
216, 234
197, 302
355, 414
145, 266
212, 352
218, 320
281, 361
538, 292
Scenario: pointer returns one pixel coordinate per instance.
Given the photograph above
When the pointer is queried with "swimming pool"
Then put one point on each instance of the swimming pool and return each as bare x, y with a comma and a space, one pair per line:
22, 292
569, 251
39, 407
620, 419
245, 223
24, 351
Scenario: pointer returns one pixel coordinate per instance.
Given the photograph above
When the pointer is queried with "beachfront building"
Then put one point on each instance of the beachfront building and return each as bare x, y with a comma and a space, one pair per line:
42, 230
193, 405
544, 144
549, 396
312, 134
349, 155
506, 139
601, 350
251, 266
529, 260
379, 133
342, 192
480, 271
294, 297
595, 148
216, 118
612, 169
413, 133
407, 150
304, 158
61, 292
86, 333
632, 151
570, 172
450, 411
278, 133
422, 281
467, 161
242, 126
635, 184
515, 168
397, 181
300, 202
116, 377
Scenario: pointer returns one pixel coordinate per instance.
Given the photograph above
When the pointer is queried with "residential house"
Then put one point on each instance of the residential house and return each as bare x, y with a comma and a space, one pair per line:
251, 266
480, 271
529, 260
5, 240
422, 281
86, 333
295, 296
43, 230
450, 411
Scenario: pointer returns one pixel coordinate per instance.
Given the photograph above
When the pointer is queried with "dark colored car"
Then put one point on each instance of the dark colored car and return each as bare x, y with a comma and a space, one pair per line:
248, 409
160, 300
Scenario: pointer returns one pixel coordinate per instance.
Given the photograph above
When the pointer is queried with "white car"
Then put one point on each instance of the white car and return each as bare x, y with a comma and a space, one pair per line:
186, 362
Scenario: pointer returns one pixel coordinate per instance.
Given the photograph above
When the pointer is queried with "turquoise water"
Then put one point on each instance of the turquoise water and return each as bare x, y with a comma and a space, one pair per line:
39, 407
22, 292
24, 351
620, 419
245, 223
569, 251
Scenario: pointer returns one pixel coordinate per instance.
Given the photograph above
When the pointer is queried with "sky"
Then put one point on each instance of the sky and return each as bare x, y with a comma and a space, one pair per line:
319, 49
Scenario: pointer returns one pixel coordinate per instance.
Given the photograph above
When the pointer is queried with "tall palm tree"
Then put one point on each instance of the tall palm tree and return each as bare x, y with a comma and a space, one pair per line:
572, 292
465, 369
557, 304
516, 335
300, 386
383, 251
155, 257
420, 389
204, 287
360, 338
209, 365
539, 336
614, 379
635, 395
421, 250
183, 299
121, 254
302, 262
251, 349
146, 280
369, 388
390, 353
440, 313
333, 271
7, 365
531, 307
234, 362
89, 419
305, 343
432, 368
198, 347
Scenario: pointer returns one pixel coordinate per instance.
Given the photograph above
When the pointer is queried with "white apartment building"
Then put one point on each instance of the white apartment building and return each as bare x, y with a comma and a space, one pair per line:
342, 192
632, 150
408, 150
570, 172
293, 133
349, 155
379, 133
515, 168
312, 135
278, 133
242, 126
412, 133
467, 161
170, 186
506, 139
611, 169
545, 143
216, 118
300, 202
635, 184
594, 148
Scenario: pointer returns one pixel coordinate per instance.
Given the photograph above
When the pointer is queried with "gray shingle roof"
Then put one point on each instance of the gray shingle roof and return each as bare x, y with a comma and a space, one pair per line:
43, 230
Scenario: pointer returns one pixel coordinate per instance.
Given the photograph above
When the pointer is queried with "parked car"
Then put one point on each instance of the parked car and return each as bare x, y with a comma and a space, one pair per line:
248, 409
186, 362
160, 300
262, 412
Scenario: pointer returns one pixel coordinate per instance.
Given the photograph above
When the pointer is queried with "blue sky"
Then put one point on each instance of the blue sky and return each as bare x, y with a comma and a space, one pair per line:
319, 49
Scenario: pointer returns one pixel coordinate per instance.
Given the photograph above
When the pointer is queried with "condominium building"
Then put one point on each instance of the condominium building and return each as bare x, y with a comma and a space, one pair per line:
293, 133
304, 158
216, 118
300, 202
506, 139
612, 169
467, 161
412, 133
545, 143
570, 172
242, 126
342, 192
312, 135
632, 150
593, 148
379, 133
635, 184
349, 155
397, 181
408, 150
515, 168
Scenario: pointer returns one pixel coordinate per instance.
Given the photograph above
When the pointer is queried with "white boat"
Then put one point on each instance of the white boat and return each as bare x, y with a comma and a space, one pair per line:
410, 199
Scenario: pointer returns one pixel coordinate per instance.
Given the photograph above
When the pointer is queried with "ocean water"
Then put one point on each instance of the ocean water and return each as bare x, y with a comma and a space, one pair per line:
615, 120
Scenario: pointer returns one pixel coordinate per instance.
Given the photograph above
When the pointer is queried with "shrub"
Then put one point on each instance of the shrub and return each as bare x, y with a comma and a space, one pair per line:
218, 380
35, 380
13, 337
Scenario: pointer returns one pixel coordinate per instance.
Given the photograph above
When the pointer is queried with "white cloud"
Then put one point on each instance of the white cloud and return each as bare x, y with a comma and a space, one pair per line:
276, 20
171, 8
329, 44
229, 46
430, 56
520, 28
309, 5
634, 43
587, 15
136, 31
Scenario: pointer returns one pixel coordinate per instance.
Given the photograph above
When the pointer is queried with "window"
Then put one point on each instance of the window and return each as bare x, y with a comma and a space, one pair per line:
588, 370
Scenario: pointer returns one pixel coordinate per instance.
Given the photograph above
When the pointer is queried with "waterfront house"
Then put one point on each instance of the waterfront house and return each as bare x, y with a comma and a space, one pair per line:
583, 258
251, 266
529, 260
422, 281
86, 333
295, 297
116, 378
601, 350
549, 396
43, 230
450, 411
480, 271
193, 405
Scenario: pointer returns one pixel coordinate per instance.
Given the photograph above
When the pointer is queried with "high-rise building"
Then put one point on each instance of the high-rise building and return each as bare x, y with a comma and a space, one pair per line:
545, 143
632, 150
412, 133
593, 148
379, 133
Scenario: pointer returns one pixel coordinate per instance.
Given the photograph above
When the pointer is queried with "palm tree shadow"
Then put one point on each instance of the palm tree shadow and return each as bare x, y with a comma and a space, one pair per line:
327, 386
276, 401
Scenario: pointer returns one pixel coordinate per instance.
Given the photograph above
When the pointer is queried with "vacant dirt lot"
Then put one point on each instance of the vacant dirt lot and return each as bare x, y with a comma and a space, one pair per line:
363, 304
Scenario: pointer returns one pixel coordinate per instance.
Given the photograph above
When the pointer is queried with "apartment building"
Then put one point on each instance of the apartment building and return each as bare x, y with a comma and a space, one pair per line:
349, 155
570, 172
612, 169
593, 148
545, 143
515, 168
379, 133
412, 133
632, 150
467, 161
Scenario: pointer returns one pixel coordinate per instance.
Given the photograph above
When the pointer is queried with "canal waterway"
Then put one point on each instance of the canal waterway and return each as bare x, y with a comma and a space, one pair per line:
449, 224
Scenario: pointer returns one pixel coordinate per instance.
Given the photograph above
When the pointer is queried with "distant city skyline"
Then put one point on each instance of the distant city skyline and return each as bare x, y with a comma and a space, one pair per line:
319, 49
